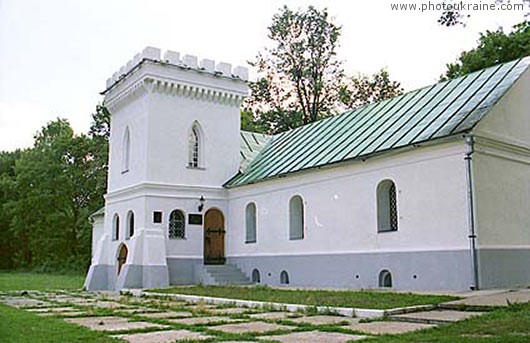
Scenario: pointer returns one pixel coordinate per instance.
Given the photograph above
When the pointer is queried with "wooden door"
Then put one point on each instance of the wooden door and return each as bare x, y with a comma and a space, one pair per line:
214, 237
122, 257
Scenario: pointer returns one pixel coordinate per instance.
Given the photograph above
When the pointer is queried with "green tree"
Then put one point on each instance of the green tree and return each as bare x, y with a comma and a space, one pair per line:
300, 75
58, 190
249, 123
453, 13
362, 90
7, 194
99, 133
300, 79
494, 47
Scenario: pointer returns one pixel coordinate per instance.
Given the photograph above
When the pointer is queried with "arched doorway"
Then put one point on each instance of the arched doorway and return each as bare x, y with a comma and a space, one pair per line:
214, 237
122, 257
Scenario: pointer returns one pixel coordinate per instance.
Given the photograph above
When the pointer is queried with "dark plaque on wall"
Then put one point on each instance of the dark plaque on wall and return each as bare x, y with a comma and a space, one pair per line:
157, 217
195, 219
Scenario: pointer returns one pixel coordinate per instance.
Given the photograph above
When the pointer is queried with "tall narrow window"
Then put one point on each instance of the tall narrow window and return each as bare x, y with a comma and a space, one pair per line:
250, 218
177, 224
116, 227
130, 224
255, 276
284, 278
126, 152
385, 279
387, 215
194, 147
296, 218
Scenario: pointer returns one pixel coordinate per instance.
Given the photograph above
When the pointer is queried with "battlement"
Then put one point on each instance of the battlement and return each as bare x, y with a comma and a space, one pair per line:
173, 58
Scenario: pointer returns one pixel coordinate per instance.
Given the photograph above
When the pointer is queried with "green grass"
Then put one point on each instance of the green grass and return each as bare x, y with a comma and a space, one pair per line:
21, 327
12, 281
356, 299
508, 325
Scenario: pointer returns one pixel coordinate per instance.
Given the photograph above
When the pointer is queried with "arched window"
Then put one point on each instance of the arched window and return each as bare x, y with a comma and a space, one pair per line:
116, 227
126, 151
130, 224
194, 147
385, 279
177, 224
387, 215
255, 276
250, 218
284, 278
296, 218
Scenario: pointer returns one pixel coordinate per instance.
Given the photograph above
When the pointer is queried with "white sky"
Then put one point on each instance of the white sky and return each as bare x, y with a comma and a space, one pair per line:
55, 55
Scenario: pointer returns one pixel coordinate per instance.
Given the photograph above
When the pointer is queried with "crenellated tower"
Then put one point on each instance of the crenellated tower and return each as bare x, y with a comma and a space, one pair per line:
175, 138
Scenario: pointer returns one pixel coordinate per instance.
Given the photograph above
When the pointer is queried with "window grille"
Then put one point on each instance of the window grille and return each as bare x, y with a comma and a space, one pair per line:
177, 224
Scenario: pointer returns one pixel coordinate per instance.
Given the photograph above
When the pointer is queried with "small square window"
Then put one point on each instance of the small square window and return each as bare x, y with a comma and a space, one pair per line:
157, 217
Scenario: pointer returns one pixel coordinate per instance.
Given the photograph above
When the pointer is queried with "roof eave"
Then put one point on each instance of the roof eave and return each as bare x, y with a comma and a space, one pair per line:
440, 140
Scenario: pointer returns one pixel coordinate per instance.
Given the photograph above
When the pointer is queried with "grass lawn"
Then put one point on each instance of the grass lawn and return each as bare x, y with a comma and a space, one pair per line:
509, 325
356, 299
12, 281
20, 326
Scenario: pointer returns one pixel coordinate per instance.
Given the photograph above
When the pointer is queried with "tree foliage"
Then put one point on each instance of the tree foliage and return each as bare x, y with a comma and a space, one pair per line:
363, 90
48, 193
300, 79
454, 14
494, 47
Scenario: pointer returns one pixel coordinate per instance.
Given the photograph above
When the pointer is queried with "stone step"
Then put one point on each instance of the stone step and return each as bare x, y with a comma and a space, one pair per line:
227, 275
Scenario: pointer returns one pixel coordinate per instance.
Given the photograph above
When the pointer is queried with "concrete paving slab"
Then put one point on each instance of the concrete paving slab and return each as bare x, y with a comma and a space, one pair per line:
274, 315
325, 320
436, 316
111, 323
137, 310
108, 304
314, 336
392, 328
168, 314
258, 327
204, 320
25, 302
76, 301
64, 314
229, 310
52, 309
163, 336
495, 299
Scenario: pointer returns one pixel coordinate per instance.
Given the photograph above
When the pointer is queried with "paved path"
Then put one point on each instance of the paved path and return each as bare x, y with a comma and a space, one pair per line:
165, 320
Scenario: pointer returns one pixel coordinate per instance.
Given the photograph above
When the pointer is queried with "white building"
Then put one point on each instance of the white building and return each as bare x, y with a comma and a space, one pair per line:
426, 191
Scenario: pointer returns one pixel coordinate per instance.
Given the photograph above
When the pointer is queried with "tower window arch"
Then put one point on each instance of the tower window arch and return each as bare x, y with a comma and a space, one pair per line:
177, 224
126, 151
250, 223
387, 211
296, 218
116, 227
130, 224
195, 158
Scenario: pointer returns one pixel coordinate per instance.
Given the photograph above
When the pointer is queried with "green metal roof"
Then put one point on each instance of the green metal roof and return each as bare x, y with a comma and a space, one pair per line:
100, 212
440, 110
251, 145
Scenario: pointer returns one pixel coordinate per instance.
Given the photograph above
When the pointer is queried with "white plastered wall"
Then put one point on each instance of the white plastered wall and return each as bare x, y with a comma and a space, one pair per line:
340, 206
501, 171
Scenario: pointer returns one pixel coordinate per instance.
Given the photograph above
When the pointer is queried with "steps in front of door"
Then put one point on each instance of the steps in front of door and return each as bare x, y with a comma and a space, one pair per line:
225, 274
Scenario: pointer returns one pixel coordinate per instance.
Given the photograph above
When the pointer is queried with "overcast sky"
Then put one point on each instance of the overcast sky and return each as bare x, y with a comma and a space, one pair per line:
55, 55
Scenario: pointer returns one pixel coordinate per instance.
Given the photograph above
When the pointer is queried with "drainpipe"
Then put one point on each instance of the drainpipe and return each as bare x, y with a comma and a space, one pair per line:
470, 149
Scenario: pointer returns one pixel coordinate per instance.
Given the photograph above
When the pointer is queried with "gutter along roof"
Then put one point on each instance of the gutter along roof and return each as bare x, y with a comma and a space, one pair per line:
440, 110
